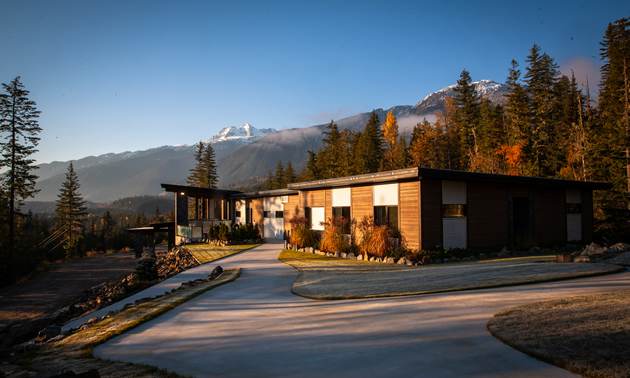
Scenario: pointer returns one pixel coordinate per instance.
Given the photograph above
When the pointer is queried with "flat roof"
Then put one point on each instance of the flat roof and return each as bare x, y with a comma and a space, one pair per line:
417, 173
267, 193
200, 192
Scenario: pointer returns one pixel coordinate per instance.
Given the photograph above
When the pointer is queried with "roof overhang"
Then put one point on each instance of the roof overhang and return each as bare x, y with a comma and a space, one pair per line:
267, 193
370, 178
192, 191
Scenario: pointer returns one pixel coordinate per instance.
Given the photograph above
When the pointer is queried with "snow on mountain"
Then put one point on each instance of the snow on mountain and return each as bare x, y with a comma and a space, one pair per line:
485, 88
246, 132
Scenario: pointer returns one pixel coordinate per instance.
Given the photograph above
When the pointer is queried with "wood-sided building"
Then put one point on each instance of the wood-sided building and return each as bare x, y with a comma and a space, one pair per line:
430, 207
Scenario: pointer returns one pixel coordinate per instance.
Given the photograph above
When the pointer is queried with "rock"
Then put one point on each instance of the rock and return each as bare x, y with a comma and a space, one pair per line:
30, 347
409, 262
390, 260
426, 260
483, 256
504, 252
593, 249
336, 254
6, 370
533, 251
567, 258
360, 257
309, 249
402, 261
351, 256
466, 259
620, 247
472, 258
48, 333
438, 261
343, 255
92, 373
582, 259
576, 253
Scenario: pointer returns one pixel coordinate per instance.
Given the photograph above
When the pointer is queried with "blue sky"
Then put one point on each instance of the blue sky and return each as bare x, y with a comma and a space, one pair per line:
113, 76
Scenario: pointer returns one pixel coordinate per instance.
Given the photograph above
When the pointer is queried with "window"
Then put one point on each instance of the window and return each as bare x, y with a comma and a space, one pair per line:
279, 214
386, 215
238, 214
453, 211
266, 214
315, 216
344, 212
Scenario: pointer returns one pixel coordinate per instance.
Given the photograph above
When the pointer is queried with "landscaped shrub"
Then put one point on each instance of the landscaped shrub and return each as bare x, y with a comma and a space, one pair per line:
301, 234
375, 239
223, 232
333, 238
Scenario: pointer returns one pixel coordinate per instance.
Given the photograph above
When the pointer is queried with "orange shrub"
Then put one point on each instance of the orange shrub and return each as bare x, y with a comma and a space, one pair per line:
375, 239
333, 239
301, 235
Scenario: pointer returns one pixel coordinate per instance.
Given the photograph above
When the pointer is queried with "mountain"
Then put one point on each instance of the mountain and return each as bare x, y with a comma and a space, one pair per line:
108, 177
244, 154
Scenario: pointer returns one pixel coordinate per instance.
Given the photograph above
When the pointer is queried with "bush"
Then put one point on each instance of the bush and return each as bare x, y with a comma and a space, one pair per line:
333, 238
146, 269
375, 239
301, 234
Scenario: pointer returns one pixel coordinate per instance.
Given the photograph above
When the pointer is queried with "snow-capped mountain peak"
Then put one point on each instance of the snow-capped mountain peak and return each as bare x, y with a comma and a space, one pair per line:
245, 132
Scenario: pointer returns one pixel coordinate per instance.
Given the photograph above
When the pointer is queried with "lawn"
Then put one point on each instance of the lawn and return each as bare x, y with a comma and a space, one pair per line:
588, 335
324, 277
75, 352
205, 253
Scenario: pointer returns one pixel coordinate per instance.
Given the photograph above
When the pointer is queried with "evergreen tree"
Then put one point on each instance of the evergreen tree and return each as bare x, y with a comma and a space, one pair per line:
140, 221
466, 119
331, 153
312, 167
369, 154
278, 178
19, 129
70, 213
289, 174
209, 177
269, 184
157, 216
107, 229
196, 173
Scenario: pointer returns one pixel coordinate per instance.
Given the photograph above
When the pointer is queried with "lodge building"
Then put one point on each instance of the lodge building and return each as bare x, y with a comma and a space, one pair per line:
430, 207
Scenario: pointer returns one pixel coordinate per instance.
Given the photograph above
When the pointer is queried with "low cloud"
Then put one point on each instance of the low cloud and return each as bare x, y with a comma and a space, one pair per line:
583, 67
326, 117
406, 124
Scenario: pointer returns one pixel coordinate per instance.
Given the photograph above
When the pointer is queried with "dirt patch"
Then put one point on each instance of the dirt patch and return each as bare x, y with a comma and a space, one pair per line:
50, 291
587, 335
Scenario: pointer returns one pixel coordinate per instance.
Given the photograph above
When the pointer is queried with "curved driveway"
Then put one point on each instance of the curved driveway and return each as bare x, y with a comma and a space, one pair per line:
254, 326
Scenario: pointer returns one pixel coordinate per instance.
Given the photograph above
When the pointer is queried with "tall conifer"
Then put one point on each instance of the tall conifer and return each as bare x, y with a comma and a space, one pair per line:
70, 213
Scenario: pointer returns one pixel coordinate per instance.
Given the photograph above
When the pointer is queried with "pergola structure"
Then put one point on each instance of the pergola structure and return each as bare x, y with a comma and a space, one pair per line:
150, 231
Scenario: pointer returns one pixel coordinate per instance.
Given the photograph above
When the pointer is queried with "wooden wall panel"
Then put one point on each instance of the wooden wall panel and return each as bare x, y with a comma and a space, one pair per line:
550, 220
487, 214
409, 207
291, 209
587, 215
328, 205
313, 198
257, 211
430, 213
520, 191
361, 202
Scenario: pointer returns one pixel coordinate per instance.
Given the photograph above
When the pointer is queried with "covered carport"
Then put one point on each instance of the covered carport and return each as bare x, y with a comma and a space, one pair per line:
150, 231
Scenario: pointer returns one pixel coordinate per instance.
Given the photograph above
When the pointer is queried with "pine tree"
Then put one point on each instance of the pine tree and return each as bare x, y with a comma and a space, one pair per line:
370, 152
107, 229
289, 174
269, 184
312, 167
196, 173
19, 129
330, 155
70, 213
209, 177
278, 178
466, 119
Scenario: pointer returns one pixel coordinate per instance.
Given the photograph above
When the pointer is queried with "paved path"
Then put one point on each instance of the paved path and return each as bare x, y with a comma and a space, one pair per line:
254, 326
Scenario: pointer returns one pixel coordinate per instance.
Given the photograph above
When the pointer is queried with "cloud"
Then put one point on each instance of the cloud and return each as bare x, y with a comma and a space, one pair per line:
325, 117
583, 67
406, 124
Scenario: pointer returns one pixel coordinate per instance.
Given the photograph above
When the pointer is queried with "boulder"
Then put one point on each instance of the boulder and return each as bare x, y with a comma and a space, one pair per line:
425, 260
582, 259
402, 261
437, 261
592, 249
48, 333
360, 257
566, 258
619, 247
409, 262
390, 260
533, 251
483, 256
351, 256
472, 258
337, 254
504, 252
343, 255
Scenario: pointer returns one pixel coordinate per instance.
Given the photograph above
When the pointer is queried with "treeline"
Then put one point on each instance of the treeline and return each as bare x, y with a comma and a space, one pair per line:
548, 126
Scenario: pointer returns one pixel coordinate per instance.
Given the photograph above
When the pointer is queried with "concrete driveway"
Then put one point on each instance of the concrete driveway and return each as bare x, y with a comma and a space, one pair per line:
254, 326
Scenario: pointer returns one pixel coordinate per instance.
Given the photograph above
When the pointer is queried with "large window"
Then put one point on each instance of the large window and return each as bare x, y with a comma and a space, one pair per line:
343, 211
315, 216
386, 215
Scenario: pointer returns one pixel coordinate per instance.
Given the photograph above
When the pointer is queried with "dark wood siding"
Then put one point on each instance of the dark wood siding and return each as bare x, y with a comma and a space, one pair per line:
409, 206
431, 213
520, 191
587, 215
487, 205
550, 219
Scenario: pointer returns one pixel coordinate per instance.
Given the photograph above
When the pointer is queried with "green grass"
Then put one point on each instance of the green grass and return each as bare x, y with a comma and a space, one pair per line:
75, 352
205, 253
324, 277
